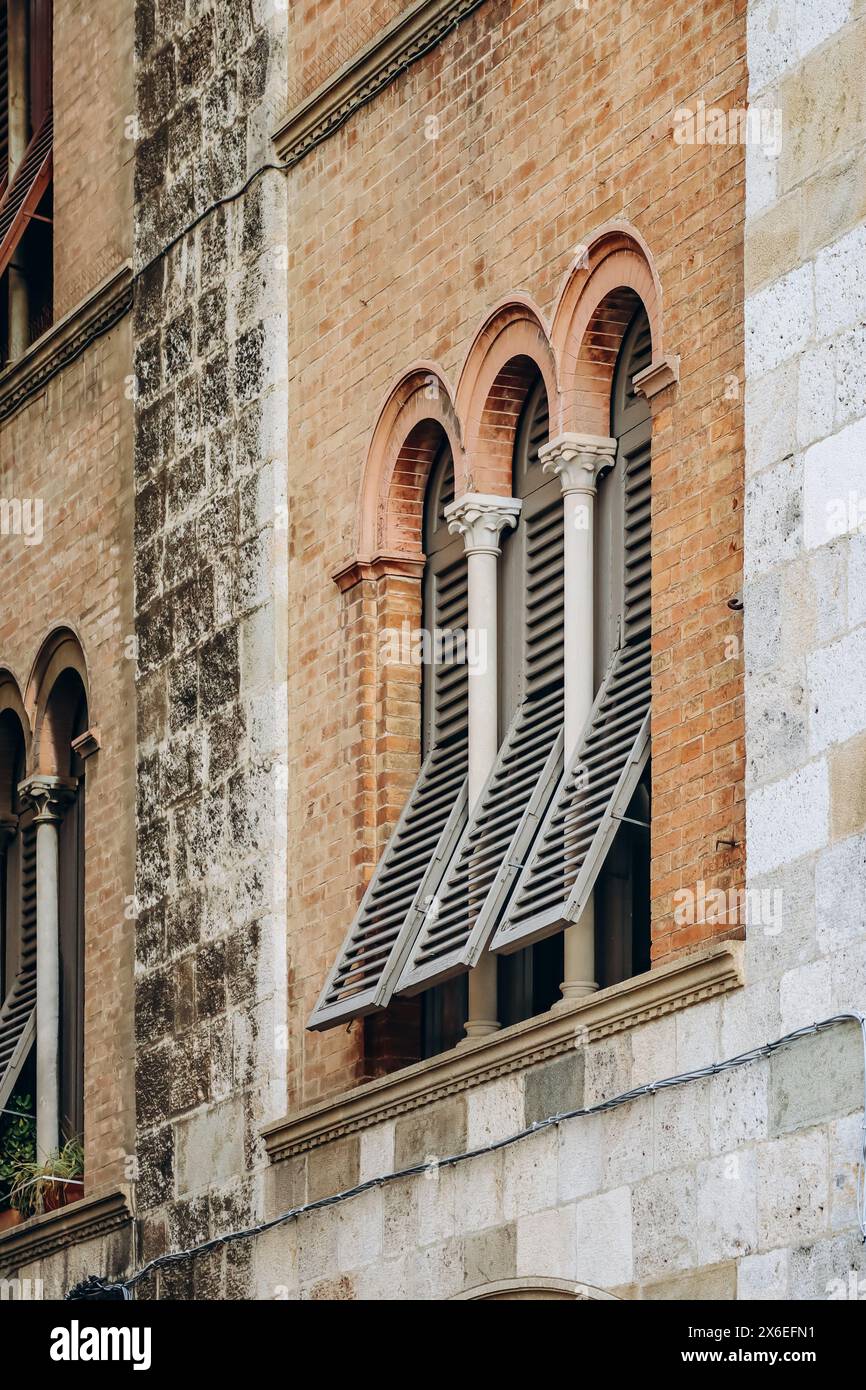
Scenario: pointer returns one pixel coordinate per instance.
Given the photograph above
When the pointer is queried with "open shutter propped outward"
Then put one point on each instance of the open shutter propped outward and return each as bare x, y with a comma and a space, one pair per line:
24, 193
18, 1010
612, 752
409, 872
461, 919
585, 814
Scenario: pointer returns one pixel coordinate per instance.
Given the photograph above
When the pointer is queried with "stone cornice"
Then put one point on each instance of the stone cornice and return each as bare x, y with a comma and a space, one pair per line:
353, 572
690, 979
420, 27
66, 340
41, 1236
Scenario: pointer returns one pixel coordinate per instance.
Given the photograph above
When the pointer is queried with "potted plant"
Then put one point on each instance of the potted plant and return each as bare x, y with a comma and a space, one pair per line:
39, 1187
17, 1147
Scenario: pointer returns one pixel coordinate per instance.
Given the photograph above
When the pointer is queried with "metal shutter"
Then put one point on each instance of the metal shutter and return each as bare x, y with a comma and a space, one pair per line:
18, 1011
408, 874
463, 916
613, 750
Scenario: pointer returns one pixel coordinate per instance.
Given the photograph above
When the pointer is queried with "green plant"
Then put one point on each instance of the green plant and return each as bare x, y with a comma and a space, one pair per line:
17, 1142
38, 1187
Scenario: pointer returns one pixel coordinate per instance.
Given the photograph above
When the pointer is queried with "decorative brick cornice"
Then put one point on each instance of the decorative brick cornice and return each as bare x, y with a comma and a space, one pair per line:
89, 1219
66, 340
658, 376
689, 979
352, 572
424, 24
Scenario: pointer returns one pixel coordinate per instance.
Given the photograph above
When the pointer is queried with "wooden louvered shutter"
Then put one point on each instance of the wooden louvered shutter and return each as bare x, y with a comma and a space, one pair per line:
18, 1010
24, 194
612, 752
459, 923
71, 942
408, 874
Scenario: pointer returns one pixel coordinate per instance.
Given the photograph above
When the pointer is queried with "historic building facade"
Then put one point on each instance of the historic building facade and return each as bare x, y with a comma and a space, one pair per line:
487, 635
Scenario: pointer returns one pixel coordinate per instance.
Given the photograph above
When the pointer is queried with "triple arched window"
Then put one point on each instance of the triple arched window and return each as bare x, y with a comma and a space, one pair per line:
557, 840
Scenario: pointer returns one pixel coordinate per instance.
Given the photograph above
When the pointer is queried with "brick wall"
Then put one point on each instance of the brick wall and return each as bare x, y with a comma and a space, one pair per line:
71, 447
552, 122
93, 145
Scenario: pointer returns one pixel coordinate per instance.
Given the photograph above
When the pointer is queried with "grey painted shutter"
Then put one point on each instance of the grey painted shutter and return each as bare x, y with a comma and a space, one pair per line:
475, 889
613, 749
18, 1011
409, 872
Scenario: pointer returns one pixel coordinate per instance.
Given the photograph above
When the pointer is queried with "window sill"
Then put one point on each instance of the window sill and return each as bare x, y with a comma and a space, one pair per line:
65, 340
90, 1218
690, 979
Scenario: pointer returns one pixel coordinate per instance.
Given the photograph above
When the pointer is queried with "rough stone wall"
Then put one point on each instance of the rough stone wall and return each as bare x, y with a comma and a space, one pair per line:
805, 558
737, 1186
210, 562
552, 120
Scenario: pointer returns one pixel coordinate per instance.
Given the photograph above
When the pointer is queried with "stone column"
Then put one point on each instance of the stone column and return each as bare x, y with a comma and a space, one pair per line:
480, 520
49, 796
578, 460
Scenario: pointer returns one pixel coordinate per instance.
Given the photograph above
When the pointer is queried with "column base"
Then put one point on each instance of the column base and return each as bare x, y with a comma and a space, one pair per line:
571, 991
479, 1028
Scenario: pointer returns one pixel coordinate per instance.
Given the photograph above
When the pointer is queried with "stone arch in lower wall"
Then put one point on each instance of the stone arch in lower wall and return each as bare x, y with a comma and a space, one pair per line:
538, 1287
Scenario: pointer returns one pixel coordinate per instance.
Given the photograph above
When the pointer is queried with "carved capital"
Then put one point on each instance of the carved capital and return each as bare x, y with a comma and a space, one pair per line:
578, 460
480, 519
49, 796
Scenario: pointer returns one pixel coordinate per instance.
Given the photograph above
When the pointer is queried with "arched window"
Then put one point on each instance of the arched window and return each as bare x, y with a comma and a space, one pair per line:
70, 901
622, 898
404, 887
558, 834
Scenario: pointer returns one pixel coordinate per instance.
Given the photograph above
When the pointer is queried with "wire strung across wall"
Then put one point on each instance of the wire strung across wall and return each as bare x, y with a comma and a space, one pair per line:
99, 1288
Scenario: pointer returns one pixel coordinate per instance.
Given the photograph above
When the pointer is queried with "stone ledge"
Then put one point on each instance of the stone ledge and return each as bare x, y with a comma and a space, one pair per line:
41, 1236
690, 979
66, 340
406, 38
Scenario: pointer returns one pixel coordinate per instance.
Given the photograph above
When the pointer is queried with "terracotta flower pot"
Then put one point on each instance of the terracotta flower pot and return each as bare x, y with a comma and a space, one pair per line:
9, 1218
60, 1194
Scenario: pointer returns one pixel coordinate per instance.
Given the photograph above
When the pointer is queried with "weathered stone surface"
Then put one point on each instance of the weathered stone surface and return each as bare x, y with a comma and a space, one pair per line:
554, 1088
816, 1078
431, 1133
490, 1255
333, 1167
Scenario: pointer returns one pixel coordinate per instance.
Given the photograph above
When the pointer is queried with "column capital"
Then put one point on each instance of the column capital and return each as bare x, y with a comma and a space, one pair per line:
578, 460
49, 796
480, 519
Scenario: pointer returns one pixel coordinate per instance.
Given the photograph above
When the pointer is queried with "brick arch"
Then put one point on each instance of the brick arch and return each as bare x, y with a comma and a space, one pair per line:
602, 290
511, 349
13, 718
416, 419
57, 680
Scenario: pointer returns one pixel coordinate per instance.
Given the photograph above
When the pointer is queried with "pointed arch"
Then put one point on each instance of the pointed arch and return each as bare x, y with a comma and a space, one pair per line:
511, 349
604, 285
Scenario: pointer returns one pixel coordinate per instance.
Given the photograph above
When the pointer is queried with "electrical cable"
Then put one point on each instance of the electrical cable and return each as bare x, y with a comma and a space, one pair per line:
648, 1089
